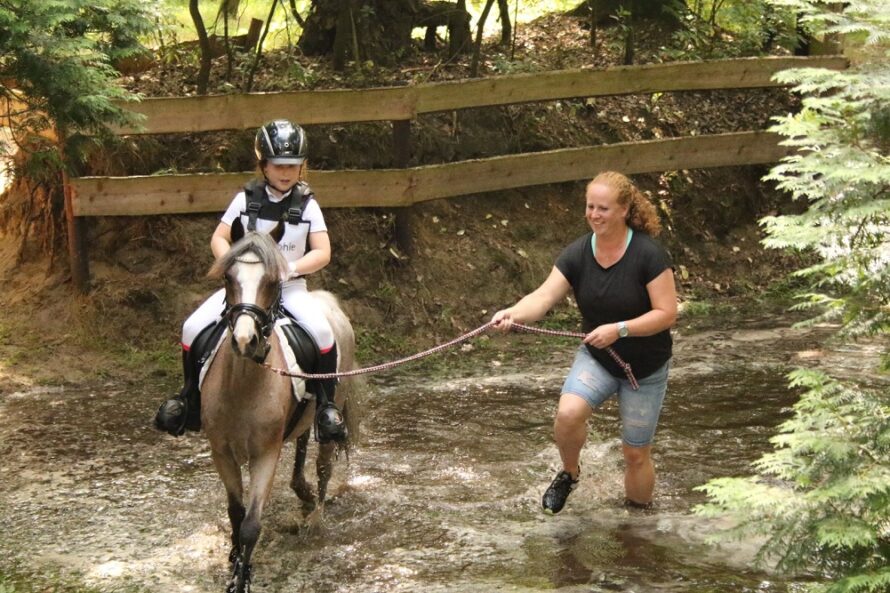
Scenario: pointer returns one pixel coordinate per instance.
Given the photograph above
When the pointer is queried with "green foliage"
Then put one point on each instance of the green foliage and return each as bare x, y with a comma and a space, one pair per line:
730, 28
58, 82
843, 170
868, 17
58, 53
822, 497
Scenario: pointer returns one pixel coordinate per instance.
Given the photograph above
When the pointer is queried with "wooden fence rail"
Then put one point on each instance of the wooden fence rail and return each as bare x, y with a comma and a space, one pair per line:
171, 194
212, 192
243, 111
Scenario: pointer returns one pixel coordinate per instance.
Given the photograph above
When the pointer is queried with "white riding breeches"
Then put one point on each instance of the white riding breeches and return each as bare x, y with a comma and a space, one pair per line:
296, 299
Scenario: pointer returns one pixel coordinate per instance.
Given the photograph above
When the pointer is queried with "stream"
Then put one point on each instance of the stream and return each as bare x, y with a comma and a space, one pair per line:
442, 494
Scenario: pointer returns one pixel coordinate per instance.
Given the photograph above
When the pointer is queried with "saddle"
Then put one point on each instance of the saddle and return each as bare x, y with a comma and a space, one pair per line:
299, 350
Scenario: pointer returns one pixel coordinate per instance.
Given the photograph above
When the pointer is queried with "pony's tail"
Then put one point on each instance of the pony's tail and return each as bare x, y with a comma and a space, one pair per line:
352, 411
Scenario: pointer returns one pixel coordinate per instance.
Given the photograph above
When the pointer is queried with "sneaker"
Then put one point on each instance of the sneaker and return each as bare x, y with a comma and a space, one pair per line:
558, 492
642, 506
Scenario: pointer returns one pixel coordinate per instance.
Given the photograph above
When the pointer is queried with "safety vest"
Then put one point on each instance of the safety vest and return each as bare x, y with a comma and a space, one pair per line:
260, 206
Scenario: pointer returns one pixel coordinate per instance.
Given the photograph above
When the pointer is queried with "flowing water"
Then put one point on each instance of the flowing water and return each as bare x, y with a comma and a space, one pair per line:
443, 494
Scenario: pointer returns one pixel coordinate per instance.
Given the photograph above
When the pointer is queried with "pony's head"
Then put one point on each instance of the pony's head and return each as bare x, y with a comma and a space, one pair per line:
253, 270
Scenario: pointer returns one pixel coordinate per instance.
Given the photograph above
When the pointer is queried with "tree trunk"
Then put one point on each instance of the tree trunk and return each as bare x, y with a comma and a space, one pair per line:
477, 47
376, 30
204, 43
459, 41
259, 49
296, 14
506, 26
228, 9
632, 6
594, 24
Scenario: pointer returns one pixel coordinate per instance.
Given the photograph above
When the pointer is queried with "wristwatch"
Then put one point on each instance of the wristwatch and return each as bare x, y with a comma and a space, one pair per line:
622, 330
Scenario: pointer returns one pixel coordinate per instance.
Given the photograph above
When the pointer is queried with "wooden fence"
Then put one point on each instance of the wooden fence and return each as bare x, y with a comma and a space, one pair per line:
169, 194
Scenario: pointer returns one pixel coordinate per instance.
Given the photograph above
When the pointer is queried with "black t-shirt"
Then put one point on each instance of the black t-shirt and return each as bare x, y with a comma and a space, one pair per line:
618, 293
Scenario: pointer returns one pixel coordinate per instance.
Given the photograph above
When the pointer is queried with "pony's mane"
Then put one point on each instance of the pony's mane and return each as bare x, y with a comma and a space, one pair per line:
260, 244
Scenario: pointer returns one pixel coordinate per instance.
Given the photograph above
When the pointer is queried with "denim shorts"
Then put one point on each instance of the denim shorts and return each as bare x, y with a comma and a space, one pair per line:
639, 410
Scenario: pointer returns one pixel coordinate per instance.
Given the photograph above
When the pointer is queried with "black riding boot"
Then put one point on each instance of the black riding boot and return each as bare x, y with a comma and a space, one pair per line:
329, 423
183, 411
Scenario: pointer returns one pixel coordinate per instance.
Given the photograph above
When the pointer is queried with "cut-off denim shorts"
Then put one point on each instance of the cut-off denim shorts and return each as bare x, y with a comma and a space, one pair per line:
639, 410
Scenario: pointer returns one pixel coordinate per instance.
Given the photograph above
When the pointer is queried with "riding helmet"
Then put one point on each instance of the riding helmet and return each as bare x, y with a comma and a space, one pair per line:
281, 142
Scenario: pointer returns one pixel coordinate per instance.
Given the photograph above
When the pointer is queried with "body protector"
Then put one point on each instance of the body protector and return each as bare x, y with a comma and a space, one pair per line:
289, 210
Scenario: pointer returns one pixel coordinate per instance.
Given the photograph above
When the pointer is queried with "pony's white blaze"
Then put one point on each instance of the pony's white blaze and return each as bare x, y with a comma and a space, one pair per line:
249, 275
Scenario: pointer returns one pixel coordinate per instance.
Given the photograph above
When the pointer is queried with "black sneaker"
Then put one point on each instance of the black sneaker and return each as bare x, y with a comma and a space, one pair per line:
558, 492
641, 506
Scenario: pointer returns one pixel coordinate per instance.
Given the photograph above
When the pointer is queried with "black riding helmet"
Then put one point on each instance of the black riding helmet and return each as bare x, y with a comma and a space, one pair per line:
281, 142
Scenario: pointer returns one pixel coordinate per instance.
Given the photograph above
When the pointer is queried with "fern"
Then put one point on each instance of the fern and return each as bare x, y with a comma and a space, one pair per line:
821, 497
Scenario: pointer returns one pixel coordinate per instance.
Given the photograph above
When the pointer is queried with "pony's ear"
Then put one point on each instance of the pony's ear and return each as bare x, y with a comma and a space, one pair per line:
278, 231
237, 230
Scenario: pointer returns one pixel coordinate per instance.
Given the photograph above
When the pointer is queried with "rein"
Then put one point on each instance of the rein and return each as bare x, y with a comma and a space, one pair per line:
463, 338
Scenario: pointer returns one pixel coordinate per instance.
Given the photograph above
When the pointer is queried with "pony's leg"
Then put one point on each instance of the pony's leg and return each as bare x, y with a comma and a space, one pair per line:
324, 467
298, 481
262, 472
230, 474
236, 516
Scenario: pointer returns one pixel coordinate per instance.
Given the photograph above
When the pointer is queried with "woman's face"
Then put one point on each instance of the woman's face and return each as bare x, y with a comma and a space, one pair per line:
282, 177
603, 212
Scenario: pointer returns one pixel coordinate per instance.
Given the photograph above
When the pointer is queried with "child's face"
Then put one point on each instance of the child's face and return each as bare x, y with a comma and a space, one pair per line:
282, 177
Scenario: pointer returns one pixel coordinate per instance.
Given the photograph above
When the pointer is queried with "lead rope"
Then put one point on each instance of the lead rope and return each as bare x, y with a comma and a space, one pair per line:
392, 364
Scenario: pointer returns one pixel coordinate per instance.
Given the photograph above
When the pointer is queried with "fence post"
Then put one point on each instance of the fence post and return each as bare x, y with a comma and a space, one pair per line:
77, 244
401, 142
76, 227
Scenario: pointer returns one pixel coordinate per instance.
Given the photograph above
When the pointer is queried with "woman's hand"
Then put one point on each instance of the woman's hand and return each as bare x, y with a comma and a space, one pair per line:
502, 320
602, 336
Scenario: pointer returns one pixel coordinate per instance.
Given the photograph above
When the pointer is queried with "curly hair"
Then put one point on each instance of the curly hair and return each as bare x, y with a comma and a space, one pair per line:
641, 214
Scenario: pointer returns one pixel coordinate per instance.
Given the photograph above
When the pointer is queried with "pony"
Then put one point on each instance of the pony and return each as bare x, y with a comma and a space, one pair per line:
246, 408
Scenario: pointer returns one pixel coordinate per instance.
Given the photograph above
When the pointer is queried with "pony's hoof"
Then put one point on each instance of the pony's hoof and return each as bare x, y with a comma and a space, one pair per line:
314, 519
240, 581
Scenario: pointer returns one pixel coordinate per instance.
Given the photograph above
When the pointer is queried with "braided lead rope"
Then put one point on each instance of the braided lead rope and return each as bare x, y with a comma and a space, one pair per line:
385, 365
392, 364
625, 366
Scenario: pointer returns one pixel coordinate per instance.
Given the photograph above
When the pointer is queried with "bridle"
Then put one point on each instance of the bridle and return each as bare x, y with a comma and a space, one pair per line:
263, 319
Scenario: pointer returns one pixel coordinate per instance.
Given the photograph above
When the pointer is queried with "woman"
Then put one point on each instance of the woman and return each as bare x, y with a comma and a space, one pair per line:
623, 284
282, 197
